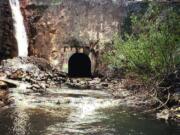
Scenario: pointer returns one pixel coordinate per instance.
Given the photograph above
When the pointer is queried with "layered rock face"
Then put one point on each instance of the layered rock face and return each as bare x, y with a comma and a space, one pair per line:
61, 28
58, 29
8, 47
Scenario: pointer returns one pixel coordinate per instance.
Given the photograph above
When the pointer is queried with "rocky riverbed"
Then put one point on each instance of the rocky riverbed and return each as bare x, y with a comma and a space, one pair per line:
38, 77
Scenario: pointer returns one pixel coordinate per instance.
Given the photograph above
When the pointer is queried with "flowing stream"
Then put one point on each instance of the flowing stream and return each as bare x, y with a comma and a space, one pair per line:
65, 111
20, 31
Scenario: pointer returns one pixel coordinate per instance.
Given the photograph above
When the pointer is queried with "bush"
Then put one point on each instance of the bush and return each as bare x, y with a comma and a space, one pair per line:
153, 47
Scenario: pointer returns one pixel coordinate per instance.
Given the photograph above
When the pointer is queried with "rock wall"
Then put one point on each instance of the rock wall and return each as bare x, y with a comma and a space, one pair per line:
86, 25
59, 28
8, 47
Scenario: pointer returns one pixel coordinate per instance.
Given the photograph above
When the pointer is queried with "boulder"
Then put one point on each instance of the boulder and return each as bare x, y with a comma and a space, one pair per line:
18, 74
164, 114
2, 104
3, 85
95, 81
3, 94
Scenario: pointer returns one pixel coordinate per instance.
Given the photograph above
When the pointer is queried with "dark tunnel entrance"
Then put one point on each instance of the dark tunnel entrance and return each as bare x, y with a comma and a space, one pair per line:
79, 65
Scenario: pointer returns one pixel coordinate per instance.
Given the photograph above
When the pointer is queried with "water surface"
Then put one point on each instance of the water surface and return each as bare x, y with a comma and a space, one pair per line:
77, 112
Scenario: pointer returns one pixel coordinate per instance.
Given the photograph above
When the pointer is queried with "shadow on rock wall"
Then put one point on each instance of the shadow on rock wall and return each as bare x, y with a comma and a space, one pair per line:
8, 45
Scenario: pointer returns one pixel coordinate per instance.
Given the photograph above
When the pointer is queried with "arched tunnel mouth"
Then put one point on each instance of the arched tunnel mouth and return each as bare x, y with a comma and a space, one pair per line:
79, 65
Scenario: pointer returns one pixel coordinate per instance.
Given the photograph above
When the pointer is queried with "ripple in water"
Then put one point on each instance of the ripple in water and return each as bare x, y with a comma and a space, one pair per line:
76, 112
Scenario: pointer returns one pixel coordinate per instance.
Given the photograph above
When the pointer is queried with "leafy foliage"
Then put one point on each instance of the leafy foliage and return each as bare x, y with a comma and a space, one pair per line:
153, 47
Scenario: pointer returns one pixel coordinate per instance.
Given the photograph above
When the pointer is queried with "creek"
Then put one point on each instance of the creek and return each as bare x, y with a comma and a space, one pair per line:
65, 111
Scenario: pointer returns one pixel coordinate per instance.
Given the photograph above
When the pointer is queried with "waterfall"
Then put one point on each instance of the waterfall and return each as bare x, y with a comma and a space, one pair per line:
20, 31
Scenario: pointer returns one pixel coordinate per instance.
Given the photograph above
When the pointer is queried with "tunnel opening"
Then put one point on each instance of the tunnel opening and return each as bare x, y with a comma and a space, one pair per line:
79, 65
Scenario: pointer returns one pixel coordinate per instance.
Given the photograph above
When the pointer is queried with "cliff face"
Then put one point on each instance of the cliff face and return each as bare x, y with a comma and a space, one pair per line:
8, 47
59, 28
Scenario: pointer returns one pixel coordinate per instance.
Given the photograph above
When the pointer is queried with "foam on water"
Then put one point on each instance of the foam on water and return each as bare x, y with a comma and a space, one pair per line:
68, 111
82, 105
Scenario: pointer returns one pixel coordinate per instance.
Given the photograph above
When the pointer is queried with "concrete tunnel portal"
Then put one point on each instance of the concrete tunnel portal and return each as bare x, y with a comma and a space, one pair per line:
79, 65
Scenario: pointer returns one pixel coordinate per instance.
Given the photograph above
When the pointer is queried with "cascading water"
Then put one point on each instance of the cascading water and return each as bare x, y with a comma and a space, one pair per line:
20, 31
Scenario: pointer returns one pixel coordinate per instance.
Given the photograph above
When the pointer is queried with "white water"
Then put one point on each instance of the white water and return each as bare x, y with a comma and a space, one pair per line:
20, 31
77, 106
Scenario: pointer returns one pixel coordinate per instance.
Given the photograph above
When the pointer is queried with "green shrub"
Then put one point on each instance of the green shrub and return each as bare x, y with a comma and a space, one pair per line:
153, 47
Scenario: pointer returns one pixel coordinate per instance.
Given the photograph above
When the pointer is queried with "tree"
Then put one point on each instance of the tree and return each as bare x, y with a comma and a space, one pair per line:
153, 47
